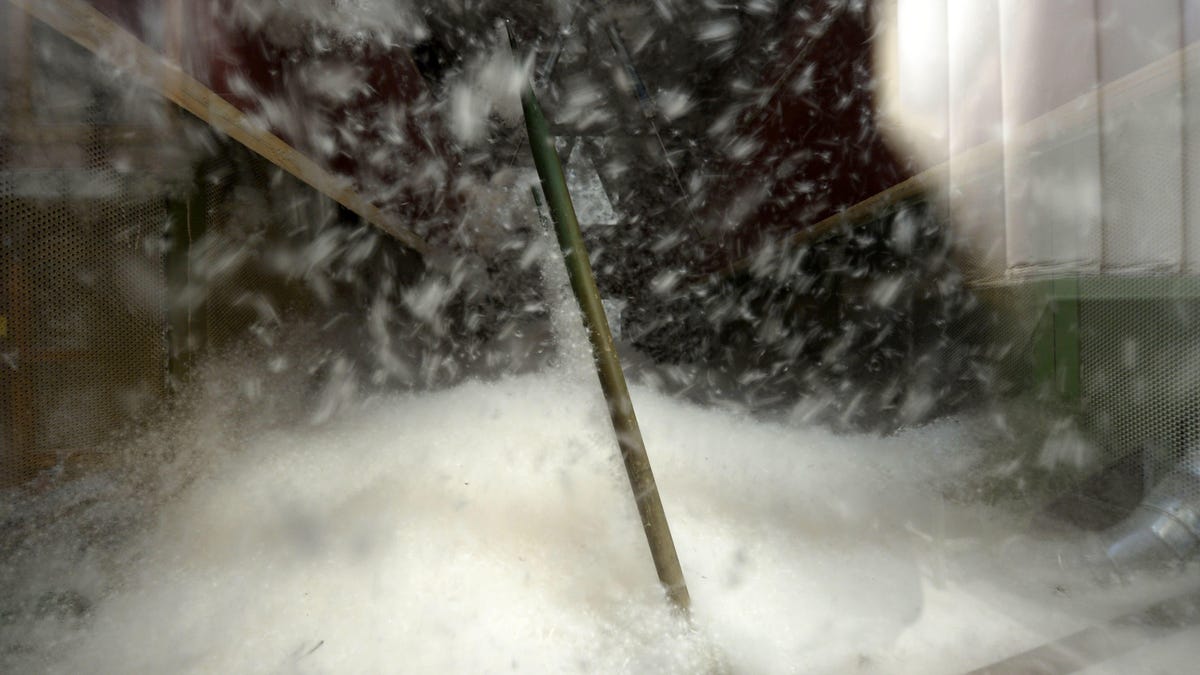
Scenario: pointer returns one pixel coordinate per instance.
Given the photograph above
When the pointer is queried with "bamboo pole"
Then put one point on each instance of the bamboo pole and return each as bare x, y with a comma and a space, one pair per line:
95, 32
608, 365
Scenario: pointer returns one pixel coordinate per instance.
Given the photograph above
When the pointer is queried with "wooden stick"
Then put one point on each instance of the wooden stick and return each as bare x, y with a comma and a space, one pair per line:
95, 32
608, 364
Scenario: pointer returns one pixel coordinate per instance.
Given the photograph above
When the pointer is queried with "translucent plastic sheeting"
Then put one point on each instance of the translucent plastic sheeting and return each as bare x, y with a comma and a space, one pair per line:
1087, 109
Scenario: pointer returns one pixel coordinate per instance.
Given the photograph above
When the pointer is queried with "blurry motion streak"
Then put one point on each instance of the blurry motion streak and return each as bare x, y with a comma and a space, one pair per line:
637, 87
95, 32
1095, 645
649, 111
608, 365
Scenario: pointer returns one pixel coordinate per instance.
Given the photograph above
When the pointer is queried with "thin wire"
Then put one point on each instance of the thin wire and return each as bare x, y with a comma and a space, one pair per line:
649, 112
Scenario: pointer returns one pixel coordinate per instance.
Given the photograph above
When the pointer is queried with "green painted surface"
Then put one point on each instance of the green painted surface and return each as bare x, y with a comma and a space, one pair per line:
1055, 341
1064, 306
185, 324
1056, 356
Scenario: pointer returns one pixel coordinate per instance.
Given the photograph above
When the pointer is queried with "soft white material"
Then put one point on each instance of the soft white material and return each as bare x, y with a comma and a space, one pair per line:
490, 527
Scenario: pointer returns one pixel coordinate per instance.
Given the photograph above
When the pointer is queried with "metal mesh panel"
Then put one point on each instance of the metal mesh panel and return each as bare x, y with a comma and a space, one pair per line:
236, 250
1016, 313
84, 345
82, 287
1140, 365
1142, 189
100, 249
233, 204
1134, 347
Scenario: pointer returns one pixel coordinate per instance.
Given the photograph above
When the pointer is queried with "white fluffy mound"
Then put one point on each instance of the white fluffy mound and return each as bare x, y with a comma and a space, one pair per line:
490, 528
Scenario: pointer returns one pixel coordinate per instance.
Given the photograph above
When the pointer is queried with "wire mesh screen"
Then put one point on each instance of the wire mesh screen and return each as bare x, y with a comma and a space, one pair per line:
134, 242
1120, 354
243, 229
1015, 315
1140, 366
84, 291
82, 286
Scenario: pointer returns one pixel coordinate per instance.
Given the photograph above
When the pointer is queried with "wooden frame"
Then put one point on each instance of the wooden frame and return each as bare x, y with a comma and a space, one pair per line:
98, 34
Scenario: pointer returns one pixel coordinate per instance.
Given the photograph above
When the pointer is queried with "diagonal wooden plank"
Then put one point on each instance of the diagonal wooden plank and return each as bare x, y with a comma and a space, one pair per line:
95, 32
1146, 81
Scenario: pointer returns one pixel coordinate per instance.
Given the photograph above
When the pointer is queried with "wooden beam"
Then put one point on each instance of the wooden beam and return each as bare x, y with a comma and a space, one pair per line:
95, 32
1145, 81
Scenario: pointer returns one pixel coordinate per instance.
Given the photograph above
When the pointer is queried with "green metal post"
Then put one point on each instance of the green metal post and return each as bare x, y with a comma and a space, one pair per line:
608, 366
185, 323
1066, 340
1056, 355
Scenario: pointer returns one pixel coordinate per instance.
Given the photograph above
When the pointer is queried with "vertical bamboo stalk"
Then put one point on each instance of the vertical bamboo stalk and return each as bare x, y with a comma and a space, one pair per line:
608, 366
